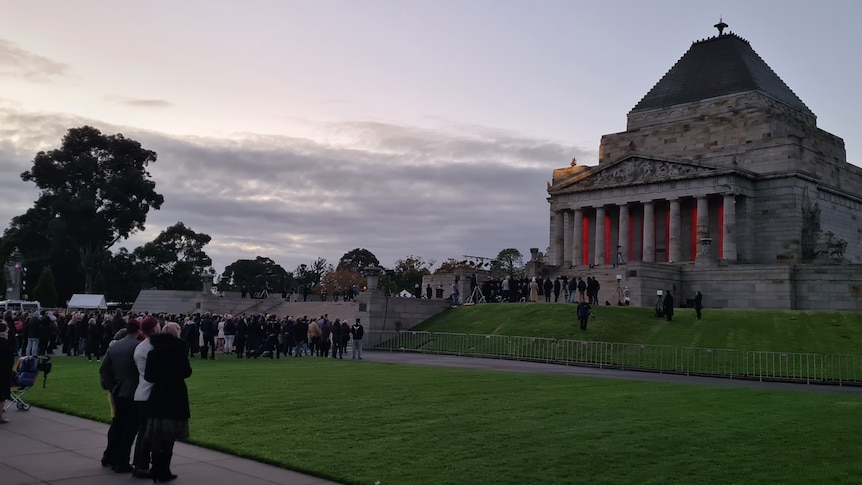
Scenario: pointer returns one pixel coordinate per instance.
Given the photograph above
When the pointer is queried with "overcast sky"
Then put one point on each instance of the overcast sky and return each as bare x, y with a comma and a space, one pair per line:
304, 129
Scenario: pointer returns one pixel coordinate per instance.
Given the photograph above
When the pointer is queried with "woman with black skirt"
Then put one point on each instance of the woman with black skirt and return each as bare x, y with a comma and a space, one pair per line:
167, 368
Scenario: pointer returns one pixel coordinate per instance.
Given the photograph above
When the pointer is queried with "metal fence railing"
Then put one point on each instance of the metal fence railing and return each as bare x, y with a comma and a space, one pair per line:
784, 366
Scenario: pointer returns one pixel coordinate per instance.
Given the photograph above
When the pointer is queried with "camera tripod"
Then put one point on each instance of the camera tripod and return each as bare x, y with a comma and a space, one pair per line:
476, 297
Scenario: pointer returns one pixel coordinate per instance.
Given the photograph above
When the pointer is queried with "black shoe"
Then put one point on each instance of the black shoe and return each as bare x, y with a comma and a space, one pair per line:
164, 478
106, 463
124, 468
138, 473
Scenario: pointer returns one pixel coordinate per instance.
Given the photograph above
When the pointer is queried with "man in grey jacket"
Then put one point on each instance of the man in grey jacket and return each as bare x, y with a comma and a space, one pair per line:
119, 376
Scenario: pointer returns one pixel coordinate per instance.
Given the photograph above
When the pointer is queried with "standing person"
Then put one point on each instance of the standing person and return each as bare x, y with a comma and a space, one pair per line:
558, 287
241, 335
345, 338
119, 376
313, 335
141, 457
548, 287
167, 368
667, 305
428, 292
94, 340
191, 334
220, 336
582, 289
31, 329
229, 333
534, 290
698, 303
335, 331
209, 331
7, 359
455, 296
584, 314
357, 332
300, 336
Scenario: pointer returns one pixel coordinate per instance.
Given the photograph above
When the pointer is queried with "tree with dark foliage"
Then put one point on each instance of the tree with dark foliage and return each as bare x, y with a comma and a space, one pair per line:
98, 190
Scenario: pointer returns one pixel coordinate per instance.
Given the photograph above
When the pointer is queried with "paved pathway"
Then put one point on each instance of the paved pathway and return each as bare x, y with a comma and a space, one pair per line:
559, 369
44, 447
40, 446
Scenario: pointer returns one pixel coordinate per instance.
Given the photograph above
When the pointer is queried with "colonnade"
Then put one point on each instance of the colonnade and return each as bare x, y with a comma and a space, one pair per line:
666, 230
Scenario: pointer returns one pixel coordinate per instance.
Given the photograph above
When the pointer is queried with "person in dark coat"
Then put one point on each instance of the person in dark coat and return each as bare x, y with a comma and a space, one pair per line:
698, 303
548, 288
119, 376
7, 359
667, 306
167, 368
584, 314
94, 340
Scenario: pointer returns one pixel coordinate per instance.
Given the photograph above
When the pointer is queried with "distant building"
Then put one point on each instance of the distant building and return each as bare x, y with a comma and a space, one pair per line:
722, 183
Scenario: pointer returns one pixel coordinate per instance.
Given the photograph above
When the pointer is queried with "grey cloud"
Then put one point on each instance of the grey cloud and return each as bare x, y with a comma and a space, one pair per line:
401, 191
15, 61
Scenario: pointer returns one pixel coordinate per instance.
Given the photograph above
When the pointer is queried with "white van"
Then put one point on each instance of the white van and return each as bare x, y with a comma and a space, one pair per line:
18, 305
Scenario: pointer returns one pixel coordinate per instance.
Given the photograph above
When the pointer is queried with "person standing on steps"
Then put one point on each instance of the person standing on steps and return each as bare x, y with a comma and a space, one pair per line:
357, 332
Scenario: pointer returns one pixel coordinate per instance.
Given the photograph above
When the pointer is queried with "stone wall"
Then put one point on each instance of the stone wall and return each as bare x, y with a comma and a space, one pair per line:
749, 286
386, 313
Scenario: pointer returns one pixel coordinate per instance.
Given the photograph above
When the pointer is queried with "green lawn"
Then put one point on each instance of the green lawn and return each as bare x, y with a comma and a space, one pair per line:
754, 330
363, 422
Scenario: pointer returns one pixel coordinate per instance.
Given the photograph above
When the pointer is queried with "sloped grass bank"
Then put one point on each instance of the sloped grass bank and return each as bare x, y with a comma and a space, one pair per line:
750, 330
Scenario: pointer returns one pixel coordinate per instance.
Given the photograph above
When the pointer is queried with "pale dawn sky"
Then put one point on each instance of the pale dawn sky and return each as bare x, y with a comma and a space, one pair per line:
304, 129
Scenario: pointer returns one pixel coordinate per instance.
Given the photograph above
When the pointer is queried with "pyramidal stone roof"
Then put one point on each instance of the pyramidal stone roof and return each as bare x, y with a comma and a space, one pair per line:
718, 66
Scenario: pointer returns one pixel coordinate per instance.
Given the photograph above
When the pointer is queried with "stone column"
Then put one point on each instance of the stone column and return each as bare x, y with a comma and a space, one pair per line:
600, 236
702, 223
729, 234
557, 239
623, 245
567, 239
577, 238
649, 232
674, 253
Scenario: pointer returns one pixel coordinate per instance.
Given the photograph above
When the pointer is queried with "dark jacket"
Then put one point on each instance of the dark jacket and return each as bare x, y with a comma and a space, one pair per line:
118, 373
208, 326
357, 331
167, 368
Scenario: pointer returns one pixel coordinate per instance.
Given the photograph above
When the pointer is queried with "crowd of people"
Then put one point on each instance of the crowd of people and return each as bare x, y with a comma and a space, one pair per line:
509, 289
89, 334
272, 336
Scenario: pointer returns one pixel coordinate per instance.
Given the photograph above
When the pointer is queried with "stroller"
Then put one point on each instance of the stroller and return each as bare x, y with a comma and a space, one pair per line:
26, 373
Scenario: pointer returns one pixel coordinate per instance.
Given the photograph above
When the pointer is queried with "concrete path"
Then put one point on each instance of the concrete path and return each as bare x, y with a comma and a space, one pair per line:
559, 369
44, 447
40, 446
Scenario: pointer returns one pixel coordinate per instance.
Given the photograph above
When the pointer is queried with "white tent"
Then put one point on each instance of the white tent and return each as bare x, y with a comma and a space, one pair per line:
405, 294
88, 302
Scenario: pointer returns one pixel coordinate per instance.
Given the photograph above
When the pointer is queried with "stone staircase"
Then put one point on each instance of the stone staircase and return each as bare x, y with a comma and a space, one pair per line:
186, 302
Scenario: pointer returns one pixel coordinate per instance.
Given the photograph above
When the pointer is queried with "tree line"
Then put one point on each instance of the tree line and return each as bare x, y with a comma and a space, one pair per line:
95, 191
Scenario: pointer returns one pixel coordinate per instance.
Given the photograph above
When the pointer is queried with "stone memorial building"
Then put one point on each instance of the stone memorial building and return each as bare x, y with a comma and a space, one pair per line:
721, 183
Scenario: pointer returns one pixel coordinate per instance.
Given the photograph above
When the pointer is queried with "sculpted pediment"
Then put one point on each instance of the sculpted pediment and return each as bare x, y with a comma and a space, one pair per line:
633, 171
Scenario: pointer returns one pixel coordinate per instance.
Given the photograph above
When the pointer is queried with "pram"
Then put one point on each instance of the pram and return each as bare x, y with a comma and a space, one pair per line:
26, 373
